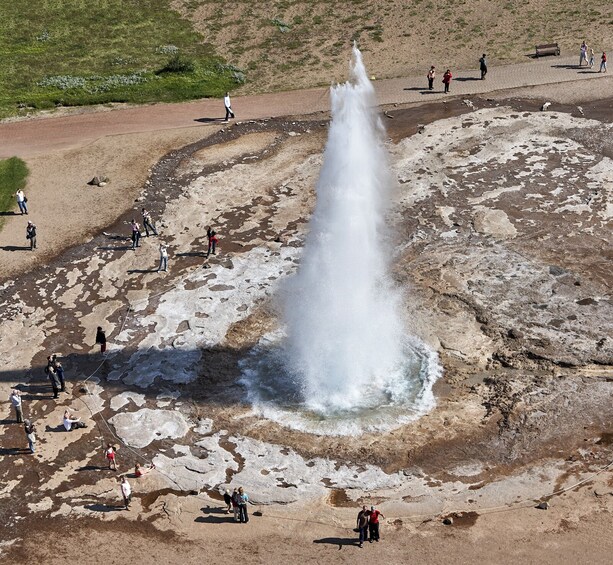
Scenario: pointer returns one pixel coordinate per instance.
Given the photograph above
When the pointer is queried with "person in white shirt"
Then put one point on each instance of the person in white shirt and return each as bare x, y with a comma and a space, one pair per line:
15, 398
228, 105
163, 258
22, 201
126, 491
69, 422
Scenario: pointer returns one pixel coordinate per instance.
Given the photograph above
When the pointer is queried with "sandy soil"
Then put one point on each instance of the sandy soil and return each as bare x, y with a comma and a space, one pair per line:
523, 410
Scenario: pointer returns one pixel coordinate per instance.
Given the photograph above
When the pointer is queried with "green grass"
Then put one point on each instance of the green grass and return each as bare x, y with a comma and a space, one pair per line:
97, 39
13, 175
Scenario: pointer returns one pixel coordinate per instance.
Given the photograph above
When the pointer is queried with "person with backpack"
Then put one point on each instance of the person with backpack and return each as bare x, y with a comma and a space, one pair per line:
31, 235
234, 498
30, 432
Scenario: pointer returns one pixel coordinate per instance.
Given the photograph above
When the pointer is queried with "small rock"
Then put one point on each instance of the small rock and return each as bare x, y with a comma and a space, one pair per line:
448, 521
515, 334
543, 505
557, 271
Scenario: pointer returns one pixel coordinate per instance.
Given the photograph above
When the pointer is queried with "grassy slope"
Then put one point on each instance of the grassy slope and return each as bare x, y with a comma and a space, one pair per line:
397, 37
100, 38
13, 174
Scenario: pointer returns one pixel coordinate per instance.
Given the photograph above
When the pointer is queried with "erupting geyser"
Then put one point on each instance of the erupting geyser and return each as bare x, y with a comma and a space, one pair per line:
346, 363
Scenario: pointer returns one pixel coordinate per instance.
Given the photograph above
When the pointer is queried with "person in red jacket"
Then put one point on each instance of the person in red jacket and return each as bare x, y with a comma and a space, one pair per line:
603, 63
373, 523
447, 79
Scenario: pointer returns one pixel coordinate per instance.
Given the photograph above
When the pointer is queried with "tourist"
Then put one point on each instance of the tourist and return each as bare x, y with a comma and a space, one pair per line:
59, 370
227, 498
31, 235
242, 500
163, 258
603, 63
211, 235
483, 66
362, 525
228, 105
110, 457
71, 423
373, 523
54, 380
583, 53
235, 504
139, 470
30, 434
22, 201
431, 76
147, 223
592, 58
101, 339
135, 234
15, 398
447, 80
126, 491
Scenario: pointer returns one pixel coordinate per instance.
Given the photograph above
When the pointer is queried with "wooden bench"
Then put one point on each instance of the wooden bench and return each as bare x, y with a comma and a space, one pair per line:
547, 49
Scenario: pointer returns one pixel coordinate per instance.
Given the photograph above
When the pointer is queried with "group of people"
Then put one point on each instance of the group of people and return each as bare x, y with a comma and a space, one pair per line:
583, 57
368, 525
237, 502
28, 426
55, 374
447, 75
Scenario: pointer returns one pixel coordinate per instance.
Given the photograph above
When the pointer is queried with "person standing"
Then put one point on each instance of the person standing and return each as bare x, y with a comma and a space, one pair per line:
135, 234
211, 235
483, 66
101, 339
31, 235
431, 76
163, 258
110, 457
54, 380
243, 499
235, 504
227, 103
15, 398
60, 373
22, 201
373, 523
126, 491
583, 53
603, 63
362, 525
30, 431
227, 498
447, 80
147, 224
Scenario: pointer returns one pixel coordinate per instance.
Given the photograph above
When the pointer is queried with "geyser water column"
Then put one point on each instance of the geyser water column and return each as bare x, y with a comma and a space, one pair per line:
342, 313
342, 362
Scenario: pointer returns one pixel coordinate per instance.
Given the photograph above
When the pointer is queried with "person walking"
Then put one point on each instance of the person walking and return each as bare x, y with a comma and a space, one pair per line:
592, 58
235, 504
22, 201
31, 235
147, 224
362, 525
243, 499
447, 80
603, 63
30, 431
15, 398
228, 104
135, 234
109, 453
126, 491
583, 54
211, 235
431, 76
373, 523
54, 380
227, 498
101, 339
163, 258
483, 66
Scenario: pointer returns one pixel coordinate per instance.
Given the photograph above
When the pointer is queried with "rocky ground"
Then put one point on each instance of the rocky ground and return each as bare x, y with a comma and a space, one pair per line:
502, 242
